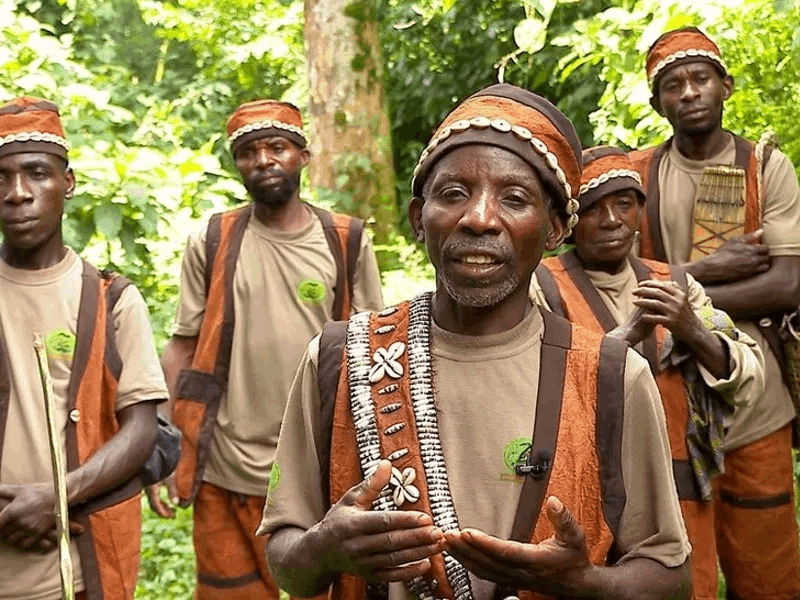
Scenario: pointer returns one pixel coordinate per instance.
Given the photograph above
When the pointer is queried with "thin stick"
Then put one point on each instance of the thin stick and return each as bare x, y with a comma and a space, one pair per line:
59, 472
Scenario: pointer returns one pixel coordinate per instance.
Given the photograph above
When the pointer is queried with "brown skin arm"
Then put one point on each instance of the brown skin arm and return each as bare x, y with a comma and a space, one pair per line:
559, 566
777, 289
27, 520
178, 354
354, 539
739, 258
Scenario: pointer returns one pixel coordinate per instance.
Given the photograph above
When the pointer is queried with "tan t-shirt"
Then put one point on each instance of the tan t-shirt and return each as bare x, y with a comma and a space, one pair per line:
678, 178
48, 300
486, 390
743, 386
283, 295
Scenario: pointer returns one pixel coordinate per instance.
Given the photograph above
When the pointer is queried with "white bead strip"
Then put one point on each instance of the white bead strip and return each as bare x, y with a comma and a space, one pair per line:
35, 136
266, 124
608, 175
690, 53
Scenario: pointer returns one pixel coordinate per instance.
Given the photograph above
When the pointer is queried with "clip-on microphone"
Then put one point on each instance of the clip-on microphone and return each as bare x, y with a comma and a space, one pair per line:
536, 466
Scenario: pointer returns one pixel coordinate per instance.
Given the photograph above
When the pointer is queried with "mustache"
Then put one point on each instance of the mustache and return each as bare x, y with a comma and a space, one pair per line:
479, 245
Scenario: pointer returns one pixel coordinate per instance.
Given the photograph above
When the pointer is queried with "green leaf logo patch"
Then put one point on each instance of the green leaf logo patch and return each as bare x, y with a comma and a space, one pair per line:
311, 291
516, 451
60, 344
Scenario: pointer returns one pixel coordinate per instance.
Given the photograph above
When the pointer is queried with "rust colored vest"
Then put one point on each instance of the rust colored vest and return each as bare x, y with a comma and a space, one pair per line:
199, 389
109, 546
585, 430
648, 161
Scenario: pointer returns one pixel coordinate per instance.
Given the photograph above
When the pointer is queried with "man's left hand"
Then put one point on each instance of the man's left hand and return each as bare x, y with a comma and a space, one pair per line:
29, 515
665, 303
556, 566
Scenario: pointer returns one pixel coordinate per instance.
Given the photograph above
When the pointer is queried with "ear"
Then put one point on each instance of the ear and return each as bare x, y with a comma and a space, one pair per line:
727, 84
656, 104
70, 177
305, 155
415, 218
555, 230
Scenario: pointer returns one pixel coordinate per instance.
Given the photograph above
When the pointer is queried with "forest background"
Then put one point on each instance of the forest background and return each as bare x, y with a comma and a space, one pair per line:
145, 88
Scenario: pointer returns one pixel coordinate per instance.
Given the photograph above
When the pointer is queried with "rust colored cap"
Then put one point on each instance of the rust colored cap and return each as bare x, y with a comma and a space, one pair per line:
30, 124
606, 170
262, 118
687, 44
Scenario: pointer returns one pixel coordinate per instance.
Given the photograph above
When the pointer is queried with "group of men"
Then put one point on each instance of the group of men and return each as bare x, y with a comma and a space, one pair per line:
605, 423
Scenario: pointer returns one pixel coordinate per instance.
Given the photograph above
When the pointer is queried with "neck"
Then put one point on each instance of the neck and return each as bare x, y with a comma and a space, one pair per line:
487, 320
43, 257
611, 267
289, 216
701, 146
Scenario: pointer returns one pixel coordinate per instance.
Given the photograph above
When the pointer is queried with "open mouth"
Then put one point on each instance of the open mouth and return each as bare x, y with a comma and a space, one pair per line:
477, 259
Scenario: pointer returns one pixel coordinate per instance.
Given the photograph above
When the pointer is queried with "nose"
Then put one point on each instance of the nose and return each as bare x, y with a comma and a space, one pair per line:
610, 218
481, 214
264, 157
689, 91
19, 191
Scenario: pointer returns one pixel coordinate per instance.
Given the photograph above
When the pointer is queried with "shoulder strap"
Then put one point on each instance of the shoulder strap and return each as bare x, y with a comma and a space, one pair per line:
653, 204
332, 237
581, 280
329, 365
552, 370
117, 285
355, 230
549, 288
610, 418
214, 238
743, 150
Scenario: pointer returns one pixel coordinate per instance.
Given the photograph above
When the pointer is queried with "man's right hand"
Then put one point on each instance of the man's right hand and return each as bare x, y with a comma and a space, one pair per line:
387, 546
161, 508
739, 258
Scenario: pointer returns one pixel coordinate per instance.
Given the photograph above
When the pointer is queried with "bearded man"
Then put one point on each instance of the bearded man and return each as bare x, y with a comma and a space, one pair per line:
257, 283
406, 467
728, 211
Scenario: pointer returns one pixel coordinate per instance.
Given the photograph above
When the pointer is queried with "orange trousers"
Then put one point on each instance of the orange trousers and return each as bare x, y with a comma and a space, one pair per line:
231, 564
699, 519
755, 524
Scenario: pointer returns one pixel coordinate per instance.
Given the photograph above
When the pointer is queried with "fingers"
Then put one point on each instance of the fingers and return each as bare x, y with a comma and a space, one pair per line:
404, 573
172, 489
567, 529
422, 537
75, 528
365, 493
158, 506
753, 237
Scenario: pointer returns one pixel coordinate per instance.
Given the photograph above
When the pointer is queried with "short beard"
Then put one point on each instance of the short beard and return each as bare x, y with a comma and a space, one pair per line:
480, 297
276, 195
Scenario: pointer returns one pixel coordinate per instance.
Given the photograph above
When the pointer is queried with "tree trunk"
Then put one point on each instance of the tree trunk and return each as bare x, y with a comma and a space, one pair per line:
349, 125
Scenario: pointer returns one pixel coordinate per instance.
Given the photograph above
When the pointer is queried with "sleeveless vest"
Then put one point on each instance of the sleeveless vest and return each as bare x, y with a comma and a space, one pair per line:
109, 545
377, 394
570, 293
200, 388
647, 163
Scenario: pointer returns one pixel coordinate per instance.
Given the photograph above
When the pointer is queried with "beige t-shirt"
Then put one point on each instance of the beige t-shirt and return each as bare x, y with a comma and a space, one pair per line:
744, 386
486, 390
283, 295
678, 178
48, 300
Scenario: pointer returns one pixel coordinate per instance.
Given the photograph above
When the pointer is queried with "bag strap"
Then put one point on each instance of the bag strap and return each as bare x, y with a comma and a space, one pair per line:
549, 287
329, 365
114, 291
653, 204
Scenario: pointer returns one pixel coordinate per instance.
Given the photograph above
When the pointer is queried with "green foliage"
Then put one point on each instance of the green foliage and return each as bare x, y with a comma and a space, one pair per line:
167, 565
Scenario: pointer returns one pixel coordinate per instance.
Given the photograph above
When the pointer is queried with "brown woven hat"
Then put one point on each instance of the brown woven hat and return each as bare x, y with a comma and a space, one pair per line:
30, 124
521, 122
607, 170
263, 118
687, 44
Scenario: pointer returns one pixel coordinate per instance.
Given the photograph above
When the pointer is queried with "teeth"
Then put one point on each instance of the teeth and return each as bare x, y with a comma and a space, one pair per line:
477, 260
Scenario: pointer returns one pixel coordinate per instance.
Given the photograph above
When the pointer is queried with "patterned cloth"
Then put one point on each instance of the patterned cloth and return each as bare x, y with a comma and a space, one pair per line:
710, 413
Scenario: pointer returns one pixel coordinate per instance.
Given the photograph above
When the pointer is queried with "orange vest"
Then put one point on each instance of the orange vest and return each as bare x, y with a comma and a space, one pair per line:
585, 471
109, 545
648, 161
200, 388
570, 293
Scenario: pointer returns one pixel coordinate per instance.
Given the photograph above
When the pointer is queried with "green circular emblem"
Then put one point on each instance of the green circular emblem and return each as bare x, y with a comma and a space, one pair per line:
274, 477
60, 344
515, 452
311, 291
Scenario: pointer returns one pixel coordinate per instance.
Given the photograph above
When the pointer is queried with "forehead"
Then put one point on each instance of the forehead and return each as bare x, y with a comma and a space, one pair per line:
267, 140
483, 161
688, 69
28, 160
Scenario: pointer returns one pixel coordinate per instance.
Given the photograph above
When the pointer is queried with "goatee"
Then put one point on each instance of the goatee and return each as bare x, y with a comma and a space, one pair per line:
275, 194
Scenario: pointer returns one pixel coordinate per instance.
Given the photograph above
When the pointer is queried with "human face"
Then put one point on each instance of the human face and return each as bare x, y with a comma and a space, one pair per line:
33, 189
485, 220
690, 95
270, 169
605, 231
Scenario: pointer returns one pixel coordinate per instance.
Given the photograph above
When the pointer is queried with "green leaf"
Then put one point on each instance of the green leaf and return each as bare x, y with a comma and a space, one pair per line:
108, 219
530, 35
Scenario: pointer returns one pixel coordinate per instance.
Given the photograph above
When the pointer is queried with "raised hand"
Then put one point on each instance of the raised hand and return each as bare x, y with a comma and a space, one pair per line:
387, 546
556, 566
665, 303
